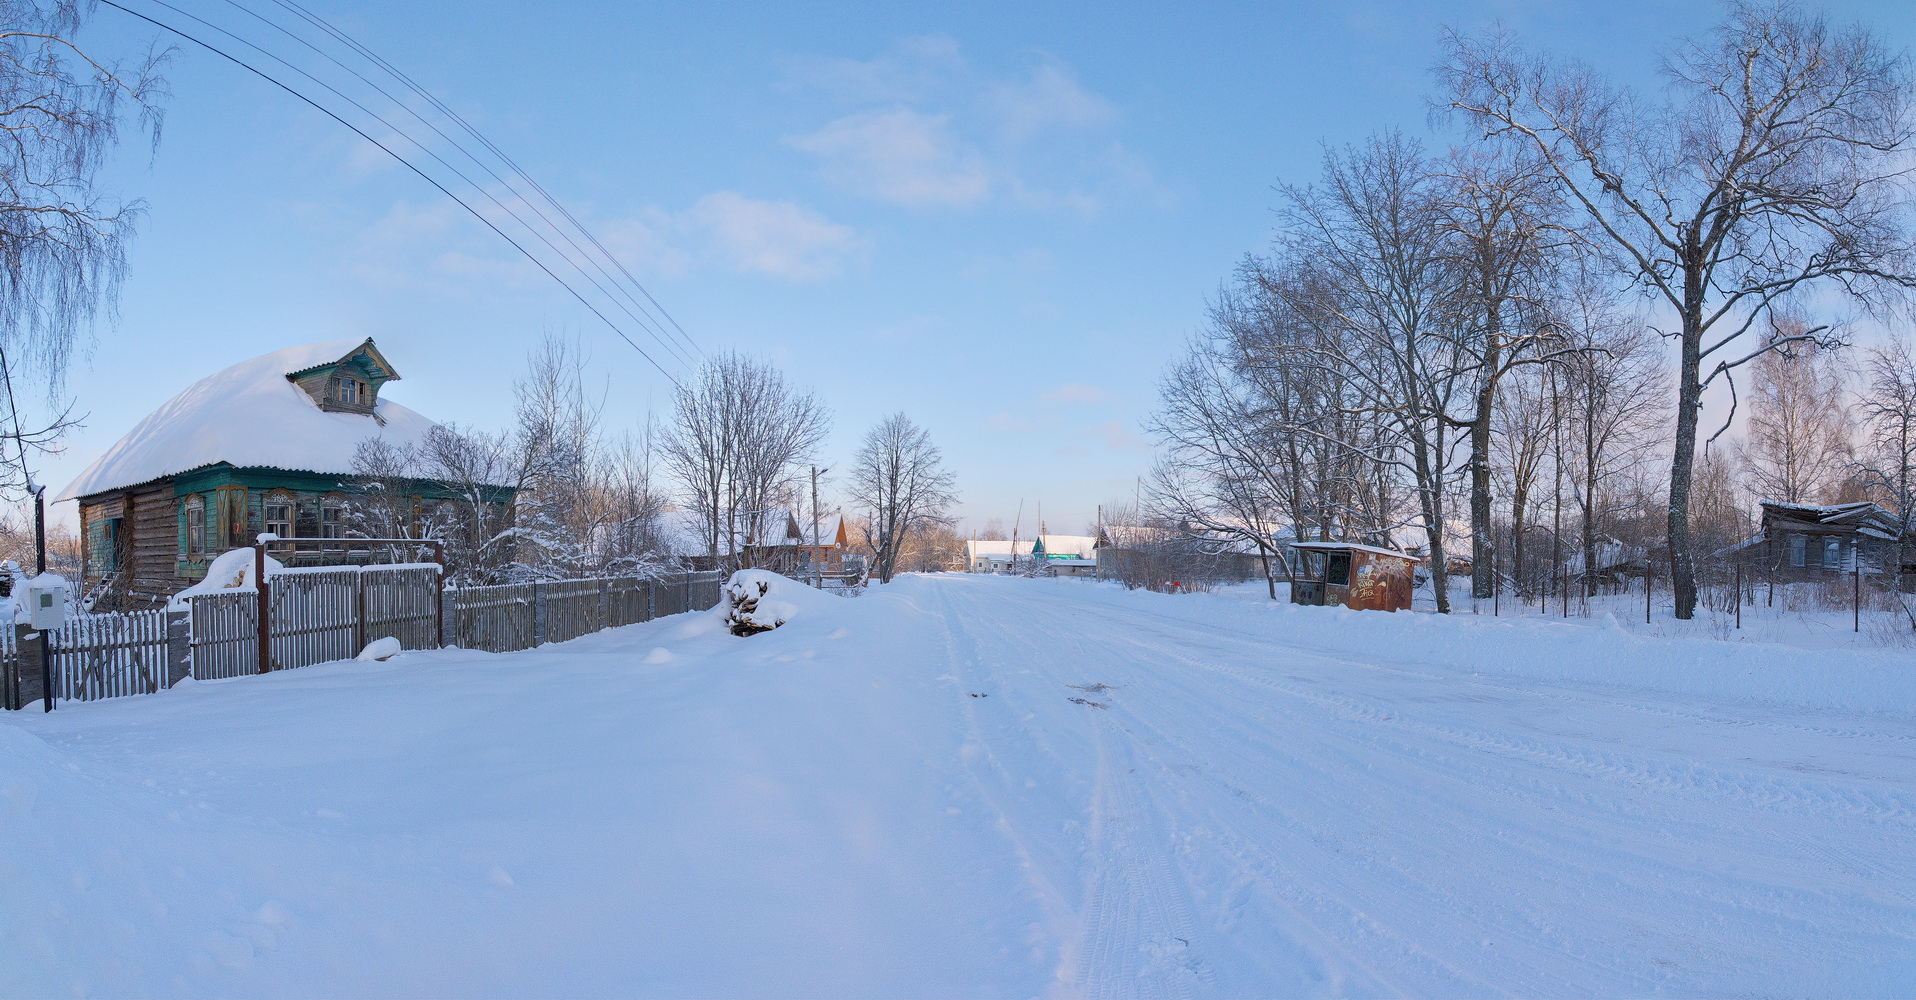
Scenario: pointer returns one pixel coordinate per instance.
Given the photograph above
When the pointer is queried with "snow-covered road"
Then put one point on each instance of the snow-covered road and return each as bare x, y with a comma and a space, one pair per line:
985, 787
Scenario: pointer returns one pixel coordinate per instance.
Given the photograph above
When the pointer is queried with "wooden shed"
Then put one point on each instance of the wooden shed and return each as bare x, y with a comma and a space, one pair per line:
1346, 574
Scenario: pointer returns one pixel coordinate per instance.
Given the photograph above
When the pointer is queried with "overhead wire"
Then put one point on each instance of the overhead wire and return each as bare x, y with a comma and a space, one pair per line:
654, 326
458, 119
410, 165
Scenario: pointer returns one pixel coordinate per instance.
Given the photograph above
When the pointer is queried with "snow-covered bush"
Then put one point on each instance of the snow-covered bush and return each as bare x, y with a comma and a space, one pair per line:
757, 600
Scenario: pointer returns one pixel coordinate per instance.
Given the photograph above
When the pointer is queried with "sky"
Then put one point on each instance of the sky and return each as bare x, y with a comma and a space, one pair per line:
1002, 219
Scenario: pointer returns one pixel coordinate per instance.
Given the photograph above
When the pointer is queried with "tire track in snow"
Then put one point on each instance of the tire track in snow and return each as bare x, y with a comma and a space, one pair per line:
1294, 856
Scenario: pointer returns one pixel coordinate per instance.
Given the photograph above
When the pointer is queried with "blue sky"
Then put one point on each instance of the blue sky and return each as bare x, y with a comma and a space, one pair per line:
1000, 218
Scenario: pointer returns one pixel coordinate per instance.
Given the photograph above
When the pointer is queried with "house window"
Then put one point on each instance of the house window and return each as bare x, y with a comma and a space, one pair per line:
348, 391
279, 514
1339, 572
1833, 553
195, 527
330, 511
1799, 547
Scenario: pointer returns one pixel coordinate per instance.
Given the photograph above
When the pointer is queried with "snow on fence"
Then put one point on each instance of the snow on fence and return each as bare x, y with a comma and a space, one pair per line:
321, 614
497, 619
108, 656
225, 635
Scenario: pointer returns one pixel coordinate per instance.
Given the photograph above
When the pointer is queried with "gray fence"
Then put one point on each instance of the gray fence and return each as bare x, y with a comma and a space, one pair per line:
319, 615
516, 616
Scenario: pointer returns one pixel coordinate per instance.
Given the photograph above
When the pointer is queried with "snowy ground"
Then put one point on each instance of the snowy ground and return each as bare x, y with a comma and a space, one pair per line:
982, 786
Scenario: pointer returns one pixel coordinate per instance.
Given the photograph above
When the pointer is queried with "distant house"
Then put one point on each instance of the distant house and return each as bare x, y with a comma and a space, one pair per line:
781, 540
1810, 541
1061, 555
264, 446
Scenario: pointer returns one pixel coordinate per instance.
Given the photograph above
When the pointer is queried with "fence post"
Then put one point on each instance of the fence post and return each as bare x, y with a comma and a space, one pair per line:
538, 617
265, 608
359, 611
1856, 595
1739, 595
179, 647
33, 680
1646, 592
439, 595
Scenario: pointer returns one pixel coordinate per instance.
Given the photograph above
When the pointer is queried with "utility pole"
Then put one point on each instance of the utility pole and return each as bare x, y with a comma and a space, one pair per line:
818, 572
1015, 525
39, 491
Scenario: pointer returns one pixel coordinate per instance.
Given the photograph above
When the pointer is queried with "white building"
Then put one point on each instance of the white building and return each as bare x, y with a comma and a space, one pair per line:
1066, 555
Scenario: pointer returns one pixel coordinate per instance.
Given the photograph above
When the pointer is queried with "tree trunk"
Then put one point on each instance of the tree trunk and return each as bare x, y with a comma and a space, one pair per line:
1683, 459
1517, 504
1482, 567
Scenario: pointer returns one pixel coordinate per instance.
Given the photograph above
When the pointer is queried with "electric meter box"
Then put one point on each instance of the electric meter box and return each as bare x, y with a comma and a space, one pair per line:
46, 600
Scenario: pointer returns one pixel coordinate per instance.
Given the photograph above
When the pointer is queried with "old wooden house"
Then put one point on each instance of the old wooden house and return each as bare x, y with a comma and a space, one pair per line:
267, 445
1811, 541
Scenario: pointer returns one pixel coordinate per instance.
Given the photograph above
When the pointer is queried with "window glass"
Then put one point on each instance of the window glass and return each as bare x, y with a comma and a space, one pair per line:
348, 391
329, 516
279, 515
1339, 572
195, 527
1833, 553
1797, 546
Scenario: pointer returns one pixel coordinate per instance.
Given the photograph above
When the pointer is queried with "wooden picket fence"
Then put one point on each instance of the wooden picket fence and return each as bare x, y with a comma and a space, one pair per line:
321, 614
108, 656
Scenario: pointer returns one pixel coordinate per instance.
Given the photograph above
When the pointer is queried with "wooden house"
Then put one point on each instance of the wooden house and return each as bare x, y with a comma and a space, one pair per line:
267, 445
780, 540
1818, 541
1346, 574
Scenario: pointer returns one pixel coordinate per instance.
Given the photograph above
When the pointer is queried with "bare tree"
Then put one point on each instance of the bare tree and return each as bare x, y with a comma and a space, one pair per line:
899, 481
1609, 381
1888, 403
62, 238
1497, 204
1796, 445
1776, 167
1387, 293
738, 438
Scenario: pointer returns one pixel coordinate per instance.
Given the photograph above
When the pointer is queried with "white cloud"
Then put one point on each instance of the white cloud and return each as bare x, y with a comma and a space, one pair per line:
926, 129
1050, 99
778, 238
723, 229
902, 156
912, 69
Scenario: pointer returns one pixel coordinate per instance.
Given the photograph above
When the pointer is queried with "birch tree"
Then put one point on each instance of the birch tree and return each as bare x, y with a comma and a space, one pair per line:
1775, 167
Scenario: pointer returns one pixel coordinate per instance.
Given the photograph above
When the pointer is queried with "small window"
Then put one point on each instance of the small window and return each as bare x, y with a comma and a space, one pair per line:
331, 511
279, 515
1833, 553
348, 391
1339, 571
195, 527
1799, 548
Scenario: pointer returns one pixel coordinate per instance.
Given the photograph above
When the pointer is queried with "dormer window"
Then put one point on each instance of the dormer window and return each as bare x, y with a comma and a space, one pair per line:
350, 384
349, 390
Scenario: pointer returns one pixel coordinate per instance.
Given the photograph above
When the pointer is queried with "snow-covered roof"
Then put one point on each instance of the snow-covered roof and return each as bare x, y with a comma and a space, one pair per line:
1354, 547
1080, 546
249, 416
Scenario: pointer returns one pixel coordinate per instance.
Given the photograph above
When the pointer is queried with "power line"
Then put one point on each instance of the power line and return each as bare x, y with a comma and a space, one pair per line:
444, 109
653, 326
423, 175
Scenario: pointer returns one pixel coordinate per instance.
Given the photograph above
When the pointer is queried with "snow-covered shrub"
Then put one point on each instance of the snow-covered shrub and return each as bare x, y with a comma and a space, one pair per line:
757, 600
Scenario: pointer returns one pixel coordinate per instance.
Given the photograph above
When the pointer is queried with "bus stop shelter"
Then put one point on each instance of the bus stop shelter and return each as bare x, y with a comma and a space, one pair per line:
1346, 574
